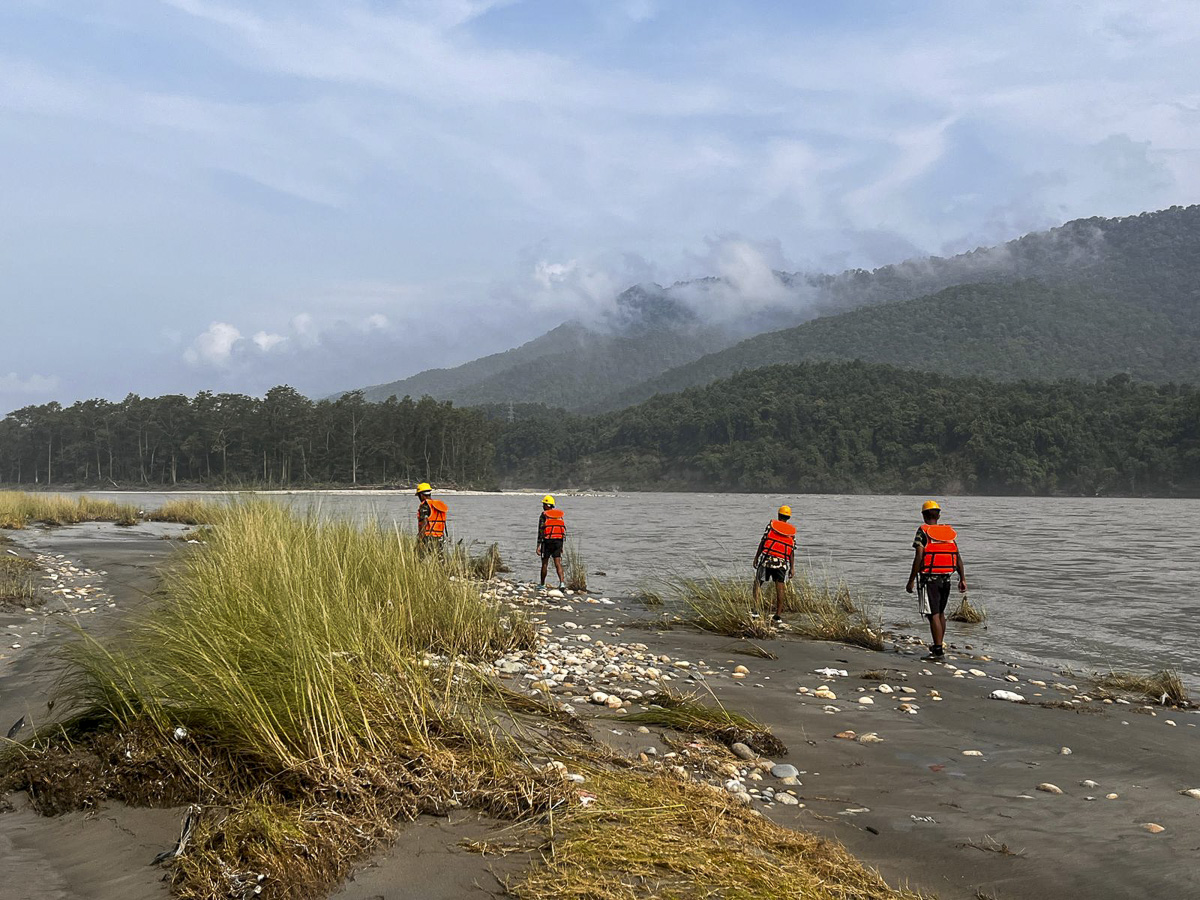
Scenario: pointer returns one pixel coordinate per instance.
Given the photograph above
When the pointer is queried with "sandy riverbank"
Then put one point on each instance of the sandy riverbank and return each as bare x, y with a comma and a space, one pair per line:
913, 805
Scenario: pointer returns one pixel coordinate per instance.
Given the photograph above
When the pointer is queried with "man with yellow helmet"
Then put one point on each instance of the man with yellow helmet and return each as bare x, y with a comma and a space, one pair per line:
937, 557
552, 532
431, 520
775, 559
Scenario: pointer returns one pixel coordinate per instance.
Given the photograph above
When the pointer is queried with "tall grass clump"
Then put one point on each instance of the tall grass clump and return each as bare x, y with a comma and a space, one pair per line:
189, 511
1165, 687
18, 509
968, 612
575, 568
822, 610
17, 585
315, 678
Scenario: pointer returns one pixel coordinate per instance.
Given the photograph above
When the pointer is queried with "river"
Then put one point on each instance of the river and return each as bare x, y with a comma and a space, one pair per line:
1090, 583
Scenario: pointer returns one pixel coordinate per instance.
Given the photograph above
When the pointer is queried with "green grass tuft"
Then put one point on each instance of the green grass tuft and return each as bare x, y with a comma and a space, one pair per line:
1165, 687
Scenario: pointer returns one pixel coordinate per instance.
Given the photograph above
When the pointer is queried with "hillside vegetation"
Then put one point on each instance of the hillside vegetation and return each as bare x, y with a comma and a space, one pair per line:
859, 428
1136, 275
1022, 329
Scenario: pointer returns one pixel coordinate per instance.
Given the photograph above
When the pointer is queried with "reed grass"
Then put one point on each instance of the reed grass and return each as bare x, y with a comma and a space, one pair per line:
1165, 687
818, 610
19, 509
17, 584
967, 612
575, 568
187, 511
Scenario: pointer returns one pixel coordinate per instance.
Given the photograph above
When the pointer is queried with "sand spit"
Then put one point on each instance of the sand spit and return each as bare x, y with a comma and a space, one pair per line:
933, 782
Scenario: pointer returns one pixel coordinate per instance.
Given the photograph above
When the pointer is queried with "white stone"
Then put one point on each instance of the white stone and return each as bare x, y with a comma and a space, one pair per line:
1011, 696
1049, 788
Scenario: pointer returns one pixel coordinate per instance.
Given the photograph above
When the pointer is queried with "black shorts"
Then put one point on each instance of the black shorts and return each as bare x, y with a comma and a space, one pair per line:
778, 574
552, 549
937, 595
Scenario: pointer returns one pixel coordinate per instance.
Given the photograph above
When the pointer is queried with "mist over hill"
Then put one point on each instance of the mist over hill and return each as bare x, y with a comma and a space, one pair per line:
1090, 298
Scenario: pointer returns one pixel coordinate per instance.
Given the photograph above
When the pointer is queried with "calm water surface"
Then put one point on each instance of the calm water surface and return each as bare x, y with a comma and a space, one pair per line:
1091, 582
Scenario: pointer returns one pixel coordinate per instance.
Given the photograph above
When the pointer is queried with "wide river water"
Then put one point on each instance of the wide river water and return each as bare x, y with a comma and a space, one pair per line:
1095, 583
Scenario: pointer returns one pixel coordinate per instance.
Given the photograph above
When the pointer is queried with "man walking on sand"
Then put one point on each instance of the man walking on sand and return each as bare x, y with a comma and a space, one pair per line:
936, 558
552, 531
431, 521
775, 560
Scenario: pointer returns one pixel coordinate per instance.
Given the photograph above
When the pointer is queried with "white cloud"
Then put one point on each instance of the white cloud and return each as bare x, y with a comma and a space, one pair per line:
265, 341
213, 347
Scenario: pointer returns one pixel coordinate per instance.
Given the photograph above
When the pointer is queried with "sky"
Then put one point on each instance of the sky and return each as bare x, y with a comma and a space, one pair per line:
231, 194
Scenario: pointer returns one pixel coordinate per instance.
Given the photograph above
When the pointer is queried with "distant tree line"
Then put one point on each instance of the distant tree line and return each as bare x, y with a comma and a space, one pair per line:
231, 439
855, 427
847, 427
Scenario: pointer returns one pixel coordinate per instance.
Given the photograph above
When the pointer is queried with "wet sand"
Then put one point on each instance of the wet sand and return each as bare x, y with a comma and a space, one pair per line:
912, 806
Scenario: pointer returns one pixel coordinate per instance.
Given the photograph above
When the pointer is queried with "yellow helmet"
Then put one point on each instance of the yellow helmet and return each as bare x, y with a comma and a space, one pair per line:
548, 500
928, 505
424, 487
784, 510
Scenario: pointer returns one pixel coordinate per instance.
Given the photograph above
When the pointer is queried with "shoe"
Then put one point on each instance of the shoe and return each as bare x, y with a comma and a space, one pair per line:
937, 651
776, 620
754, 615
562, 585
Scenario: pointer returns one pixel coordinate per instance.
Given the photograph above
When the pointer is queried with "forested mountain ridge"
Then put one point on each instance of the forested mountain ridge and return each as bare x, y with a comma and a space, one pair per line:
646, 332
1149, 262
1009, 331
853, 427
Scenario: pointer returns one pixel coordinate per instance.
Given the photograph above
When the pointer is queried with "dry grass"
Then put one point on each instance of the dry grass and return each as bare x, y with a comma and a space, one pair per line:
17, 584
575, 568
188, 511
654, 836
968, 612
19, 509
817, 610
1165, 687
685, 712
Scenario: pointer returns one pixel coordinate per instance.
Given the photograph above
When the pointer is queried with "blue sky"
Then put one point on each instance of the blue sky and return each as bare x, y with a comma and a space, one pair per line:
227, 195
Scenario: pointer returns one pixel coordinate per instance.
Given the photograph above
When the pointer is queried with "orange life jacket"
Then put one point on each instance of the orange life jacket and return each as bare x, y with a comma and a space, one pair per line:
941, 550
434, 525
780, 540
554, 528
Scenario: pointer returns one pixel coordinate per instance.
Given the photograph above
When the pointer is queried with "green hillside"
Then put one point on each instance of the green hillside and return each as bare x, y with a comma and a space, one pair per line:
1004, 331
858, 428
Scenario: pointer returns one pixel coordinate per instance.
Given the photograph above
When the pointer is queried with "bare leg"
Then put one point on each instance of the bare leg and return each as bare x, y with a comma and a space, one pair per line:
779, 588
545, 563
754, 604
937, 628
558, 569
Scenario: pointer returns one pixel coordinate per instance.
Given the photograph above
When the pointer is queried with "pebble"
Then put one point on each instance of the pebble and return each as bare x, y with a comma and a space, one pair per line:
869, 738
884, 689
1088, 783
972, 753
824, 694
783, 770
642, 729
978, 673
1153, 827
866, 701
1111, 796
1011, 696
1064, 751
1049, 788
846, 735
787, 800
1194, 793
741, 751
741, 670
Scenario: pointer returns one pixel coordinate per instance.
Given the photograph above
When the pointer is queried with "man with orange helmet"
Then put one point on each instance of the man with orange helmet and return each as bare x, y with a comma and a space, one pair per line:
552, 532
775, 559
937, 557
431, 520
